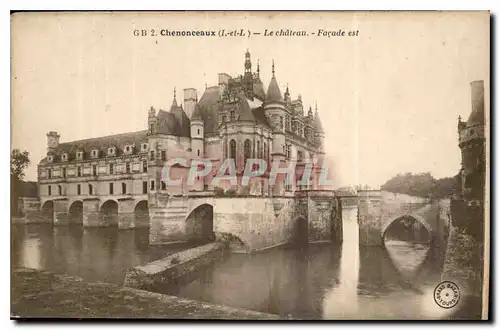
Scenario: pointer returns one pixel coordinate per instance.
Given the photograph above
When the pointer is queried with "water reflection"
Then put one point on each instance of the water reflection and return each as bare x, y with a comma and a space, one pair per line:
95, 254
329, 281
325, 281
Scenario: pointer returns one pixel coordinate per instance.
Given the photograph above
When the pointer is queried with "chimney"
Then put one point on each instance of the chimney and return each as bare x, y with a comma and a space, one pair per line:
52, 141
190, 98
477, 96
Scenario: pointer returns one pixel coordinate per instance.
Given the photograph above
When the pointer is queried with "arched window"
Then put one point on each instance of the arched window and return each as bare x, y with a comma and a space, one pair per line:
247, 149
232, 149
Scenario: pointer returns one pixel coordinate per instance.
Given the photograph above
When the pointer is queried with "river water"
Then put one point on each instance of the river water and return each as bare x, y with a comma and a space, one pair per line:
331, 281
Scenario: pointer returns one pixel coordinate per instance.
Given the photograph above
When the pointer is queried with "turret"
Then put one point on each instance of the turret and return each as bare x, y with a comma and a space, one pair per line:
197, 144
197, 134
248, 78
52, 141
274, 109
319, 133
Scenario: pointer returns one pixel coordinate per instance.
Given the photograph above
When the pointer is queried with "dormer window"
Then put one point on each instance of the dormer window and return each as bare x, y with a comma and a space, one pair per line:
111, 151
64, 157
79, 155
95, 153
128, 149
50, 158
144, 147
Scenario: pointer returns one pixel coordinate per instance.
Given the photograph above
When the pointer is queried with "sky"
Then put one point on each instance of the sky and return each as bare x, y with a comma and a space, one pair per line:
388, 98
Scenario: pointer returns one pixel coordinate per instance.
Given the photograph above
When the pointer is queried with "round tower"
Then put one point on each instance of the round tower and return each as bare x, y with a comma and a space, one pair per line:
274, 108
197, 134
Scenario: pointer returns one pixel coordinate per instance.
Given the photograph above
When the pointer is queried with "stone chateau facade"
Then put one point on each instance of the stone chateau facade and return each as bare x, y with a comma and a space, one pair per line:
117, 179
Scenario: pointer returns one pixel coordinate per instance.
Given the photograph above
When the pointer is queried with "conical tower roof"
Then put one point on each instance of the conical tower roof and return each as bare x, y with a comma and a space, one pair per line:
317, 122
273, 91
197, 115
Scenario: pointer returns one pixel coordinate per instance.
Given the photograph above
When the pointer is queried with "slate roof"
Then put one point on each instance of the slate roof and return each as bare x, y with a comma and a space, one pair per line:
101, 143
208, 108
273, 91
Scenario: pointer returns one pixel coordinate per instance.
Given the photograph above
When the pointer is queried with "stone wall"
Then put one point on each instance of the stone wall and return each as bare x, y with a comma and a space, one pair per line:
173, 268
369, 219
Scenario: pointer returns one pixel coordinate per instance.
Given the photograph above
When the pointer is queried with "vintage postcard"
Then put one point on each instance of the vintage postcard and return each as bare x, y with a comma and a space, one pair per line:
250, 165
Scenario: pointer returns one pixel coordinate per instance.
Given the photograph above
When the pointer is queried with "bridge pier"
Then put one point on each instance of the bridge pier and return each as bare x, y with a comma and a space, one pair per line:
61, 217
370, 218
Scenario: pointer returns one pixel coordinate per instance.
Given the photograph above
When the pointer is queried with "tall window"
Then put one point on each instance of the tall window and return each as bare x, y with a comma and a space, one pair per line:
163, 155
79, 171
233, 115
94, 170
198, 152
144, 166
289, 151
265, 151
259, 155
127, 167
163, 185
78, 189
144, 187
247, 147
60, 190
124, 188
91, 190
232, 149
49, 190
49, 172
151, 129
152, 155
64, 172
111, 188
111, 168
152, 187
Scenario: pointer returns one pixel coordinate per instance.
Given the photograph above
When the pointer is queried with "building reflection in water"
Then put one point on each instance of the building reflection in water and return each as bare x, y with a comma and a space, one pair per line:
341, 300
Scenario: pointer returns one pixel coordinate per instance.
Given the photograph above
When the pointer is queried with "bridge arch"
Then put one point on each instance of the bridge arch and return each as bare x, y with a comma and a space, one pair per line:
200, 223
109, 212
408, 217
300, 231
75, 213
141, 213
48, 210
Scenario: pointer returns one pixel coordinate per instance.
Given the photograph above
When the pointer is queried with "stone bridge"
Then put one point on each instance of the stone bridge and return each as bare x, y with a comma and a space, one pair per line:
250, 223
378, 210
96, 211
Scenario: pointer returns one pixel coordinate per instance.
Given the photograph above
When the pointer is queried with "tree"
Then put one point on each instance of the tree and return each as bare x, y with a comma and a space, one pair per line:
19, 161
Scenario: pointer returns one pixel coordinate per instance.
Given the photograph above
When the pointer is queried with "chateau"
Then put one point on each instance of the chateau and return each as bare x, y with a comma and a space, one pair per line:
118, 179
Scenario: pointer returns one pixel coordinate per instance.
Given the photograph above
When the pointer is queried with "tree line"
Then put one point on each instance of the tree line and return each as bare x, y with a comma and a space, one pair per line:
423, 185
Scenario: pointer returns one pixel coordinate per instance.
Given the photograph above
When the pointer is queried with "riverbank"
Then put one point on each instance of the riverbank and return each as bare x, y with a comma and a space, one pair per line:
41, 294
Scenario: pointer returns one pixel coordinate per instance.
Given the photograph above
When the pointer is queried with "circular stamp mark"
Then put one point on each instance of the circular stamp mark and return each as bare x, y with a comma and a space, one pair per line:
447, 294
